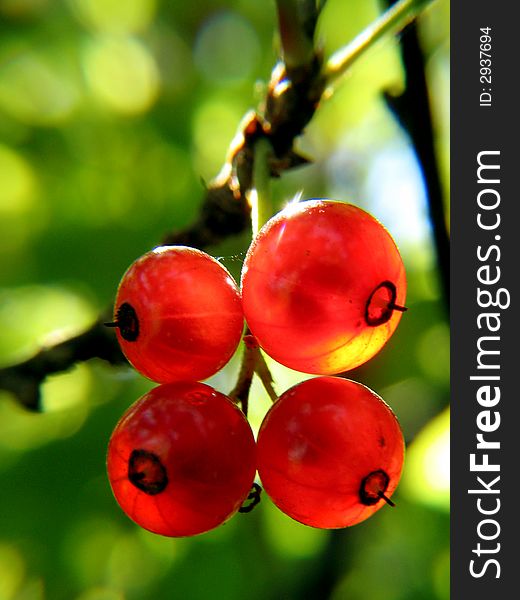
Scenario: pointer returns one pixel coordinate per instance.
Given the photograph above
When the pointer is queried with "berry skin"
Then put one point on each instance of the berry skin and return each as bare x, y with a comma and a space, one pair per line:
181, 460
330, 452
178, 315
323, 287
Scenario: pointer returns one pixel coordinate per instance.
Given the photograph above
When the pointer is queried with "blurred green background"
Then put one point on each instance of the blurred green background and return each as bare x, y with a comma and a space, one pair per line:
110, 114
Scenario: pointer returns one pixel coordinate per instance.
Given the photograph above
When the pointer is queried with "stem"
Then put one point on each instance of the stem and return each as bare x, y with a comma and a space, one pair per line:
386, 499
398, 307
240, 393
252, 362
389, 23
260, 194
297, 45
259, 197
262, 370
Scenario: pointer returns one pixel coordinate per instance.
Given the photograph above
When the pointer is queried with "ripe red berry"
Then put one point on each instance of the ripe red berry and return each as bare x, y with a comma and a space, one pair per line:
181, 460
330, 451
178, 315
323, 287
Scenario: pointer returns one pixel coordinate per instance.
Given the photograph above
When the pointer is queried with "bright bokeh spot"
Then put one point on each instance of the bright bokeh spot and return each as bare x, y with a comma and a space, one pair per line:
18, 188
395, 193
215, 124
226, 49
129, 566
355, 116
287, 537
114, 16
34, 88
29, 315
12, 571
426, 475
65, 405
435, 364
441, 575
121, 73
259, 404
66, 390
259, 401
165, 549
87, 548
339, 24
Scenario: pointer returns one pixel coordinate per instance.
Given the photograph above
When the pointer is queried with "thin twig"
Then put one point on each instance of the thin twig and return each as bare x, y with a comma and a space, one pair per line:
263, 372
260, 194
390, 23
240, 393
252, 362
260, 200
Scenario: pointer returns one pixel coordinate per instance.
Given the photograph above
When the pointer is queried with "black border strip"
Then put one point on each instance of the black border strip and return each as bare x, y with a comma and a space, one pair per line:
483, 525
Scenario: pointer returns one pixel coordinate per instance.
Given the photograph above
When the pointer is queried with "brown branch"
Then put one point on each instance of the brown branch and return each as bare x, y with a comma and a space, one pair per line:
225, 210
221, 215
291, 100
23, 380
293, 95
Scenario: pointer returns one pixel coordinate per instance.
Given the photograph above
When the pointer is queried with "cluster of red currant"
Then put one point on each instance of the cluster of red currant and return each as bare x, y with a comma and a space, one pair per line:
322, 290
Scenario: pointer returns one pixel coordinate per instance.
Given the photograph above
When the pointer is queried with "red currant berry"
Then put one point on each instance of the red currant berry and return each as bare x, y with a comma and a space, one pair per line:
181, 460
323, 287
330, 452
178, 315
